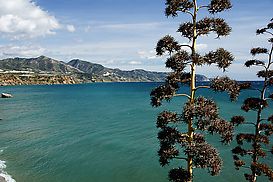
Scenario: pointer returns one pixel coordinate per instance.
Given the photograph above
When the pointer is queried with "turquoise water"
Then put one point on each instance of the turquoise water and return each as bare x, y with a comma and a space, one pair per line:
102, 132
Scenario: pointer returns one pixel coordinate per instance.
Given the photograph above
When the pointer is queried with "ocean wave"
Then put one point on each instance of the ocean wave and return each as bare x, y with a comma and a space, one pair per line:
3, 173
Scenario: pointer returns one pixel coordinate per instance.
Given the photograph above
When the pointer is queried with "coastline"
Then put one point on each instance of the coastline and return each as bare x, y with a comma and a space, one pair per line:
2, 179
4, 176
16, 79
79, 83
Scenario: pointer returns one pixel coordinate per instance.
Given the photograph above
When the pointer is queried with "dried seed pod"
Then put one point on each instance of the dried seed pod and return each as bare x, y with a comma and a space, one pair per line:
167, 44
254, 62
237, 120
258, 50
254, 104
174, 6
265, 74
221, 84
220, 57
178, 61
179, 175
217, 6
186, 30
166, 117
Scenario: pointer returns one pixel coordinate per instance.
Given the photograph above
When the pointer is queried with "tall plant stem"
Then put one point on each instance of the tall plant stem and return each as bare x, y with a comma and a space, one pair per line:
259, 115
192, 87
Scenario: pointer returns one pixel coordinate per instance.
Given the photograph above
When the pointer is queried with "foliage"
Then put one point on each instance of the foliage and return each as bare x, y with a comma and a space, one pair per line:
200, 114
259, 140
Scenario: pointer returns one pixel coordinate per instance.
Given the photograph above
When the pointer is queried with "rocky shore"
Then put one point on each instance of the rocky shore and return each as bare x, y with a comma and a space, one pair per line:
14, 79
2, 179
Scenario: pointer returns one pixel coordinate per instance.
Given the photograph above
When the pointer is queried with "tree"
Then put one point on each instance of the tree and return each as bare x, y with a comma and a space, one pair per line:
199, 114
263, 126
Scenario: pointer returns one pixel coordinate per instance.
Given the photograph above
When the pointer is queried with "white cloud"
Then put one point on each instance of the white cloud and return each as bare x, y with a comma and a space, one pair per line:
135, 62
150, 55
24, 19
201, 47
71, 28
87, 29
131, 26
20, 51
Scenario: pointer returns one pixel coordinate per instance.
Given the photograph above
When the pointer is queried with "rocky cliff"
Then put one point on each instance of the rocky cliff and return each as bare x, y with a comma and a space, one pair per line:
16, 79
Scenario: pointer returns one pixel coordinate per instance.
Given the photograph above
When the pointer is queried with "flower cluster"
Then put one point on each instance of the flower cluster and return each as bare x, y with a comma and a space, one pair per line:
244, 137
203, 110
216, 6
266, 30
168, 137
258, 50
254, 62
237, 120
179, 175
205, 114
173, 6
178, 61
204, 27
239, 151
160, 93
223, 128
220, 27
186, 30
265, 74
260, 168
238, 163
221, 57
267, 128
167, 44
205, 156
166, 153
254, 104
222, 84
166, 117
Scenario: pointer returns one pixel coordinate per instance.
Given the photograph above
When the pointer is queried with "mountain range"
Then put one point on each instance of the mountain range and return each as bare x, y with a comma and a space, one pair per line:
83, 70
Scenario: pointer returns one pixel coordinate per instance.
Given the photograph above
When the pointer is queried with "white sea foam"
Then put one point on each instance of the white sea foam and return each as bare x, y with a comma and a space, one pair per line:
4, 174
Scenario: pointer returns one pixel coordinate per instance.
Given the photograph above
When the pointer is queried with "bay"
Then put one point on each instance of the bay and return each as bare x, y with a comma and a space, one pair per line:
101, 132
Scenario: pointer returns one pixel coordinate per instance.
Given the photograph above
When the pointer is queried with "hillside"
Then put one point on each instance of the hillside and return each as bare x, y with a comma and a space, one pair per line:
103, 73
107, 74
40, 64
39, 70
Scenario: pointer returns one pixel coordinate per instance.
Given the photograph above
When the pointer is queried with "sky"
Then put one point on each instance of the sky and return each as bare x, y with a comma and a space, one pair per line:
122, 33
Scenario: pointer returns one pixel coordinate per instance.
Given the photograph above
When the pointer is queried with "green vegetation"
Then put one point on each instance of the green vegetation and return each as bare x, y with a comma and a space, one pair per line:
81, 71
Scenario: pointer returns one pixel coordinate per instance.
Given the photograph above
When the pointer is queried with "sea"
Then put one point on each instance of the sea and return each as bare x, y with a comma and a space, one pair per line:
99, 132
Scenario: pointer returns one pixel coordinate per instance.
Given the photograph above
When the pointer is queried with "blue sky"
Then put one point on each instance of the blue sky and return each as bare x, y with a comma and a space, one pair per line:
121, 33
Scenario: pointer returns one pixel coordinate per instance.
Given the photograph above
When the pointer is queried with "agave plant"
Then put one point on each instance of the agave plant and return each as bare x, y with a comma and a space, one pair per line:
259, 138
200, 115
